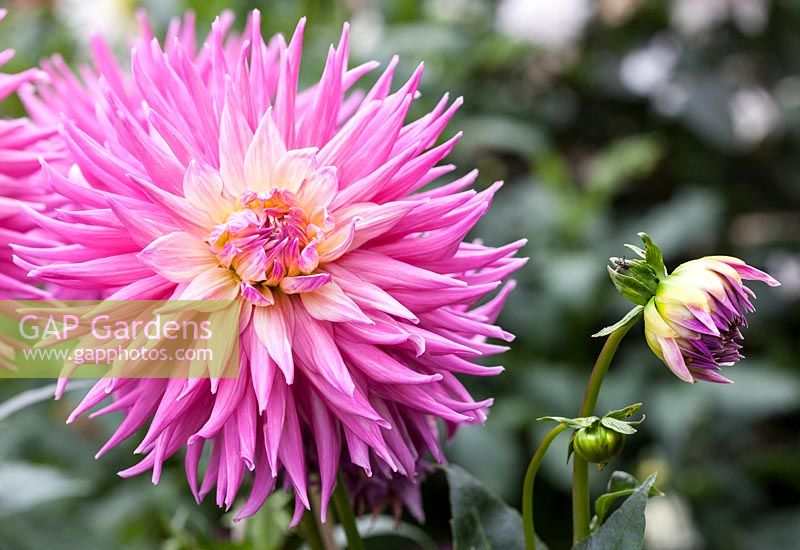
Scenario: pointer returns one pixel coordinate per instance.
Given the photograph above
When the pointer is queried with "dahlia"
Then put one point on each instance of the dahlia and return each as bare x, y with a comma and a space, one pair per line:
205, 174
20, 148
692, 316
693, 322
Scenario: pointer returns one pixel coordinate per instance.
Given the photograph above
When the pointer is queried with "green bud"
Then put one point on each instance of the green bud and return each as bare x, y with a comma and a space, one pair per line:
596, 439
598, 444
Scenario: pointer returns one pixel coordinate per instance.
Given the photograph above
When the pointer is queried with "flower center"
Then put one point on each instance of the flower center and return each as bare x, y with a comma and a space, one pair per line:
269, 238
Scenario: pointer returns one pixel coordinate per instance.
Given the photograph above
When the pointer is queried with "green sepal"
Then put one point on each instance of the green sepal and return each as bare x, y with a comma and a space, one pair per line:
627, 412
574, 423
571, 446
615, 420
653, 256
636, 250
631, 317
637, 282
620, 484
637, 279
619, 426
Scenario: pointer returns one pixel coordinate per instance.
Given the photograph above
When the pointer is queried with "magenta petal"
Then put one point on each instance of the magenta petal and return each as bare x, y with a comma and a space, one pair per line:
674, 359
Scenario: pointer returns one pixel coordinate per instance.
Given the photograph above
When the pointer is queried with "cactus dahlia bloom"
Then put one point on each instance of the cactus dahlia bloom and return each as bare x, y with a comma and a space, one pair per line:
205, 174
20, 148
693, 321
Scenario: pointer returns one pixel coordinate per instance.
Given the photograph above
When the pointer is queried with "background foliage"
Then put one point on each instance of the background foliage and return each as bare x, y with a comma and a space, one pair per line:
681, 118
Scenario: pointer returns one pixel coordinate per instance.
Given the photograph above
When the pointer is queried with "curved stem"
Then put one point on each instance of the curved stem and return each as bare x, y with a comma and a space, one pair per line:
527, 488
580, 467
344, 511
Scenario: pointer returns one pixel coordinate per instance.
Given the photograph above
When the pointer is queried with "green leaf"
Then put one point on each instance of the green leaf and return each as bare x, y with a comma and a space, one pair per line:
624, 530
385, 527
653, 256
620, 480
630, 317
619, 426
604, 502
481, 520
621, 484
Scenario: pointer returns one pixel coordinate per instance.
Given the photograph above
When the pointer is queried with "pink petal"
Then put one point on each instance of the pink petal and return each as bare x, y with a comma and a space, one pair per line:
263, 153
273, 326
204, 190
178, 256
330, 303
304, 283
674, 359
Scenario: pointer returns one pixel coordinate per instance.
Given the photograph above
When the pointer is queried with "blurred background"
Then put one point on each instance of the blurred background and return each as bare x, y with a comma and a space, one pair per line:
680, 118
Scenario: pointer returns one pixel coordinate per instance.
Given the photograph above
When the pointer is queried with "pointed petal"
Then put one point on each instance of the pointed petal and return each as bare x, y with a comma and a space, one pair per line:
674, 359
273, 326
204, 190
330, 303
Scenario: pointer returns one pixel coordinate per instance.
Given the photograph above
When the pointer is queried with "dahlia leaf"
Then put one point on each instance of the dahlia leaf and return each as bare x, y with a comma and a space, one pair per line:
631, 317
387, 527
624, 529
480, 518
621, 484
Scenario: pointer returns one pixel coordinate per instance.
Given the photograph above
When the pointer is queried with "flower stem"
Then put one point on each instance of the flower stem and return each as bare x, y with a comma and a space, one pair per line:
580, 467
527, 488
344, 511
310, 530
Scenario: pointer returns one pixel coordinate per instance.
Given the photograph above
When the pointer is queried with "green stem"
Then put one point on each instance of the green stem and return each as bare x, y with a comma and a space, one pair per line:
580, 467
310, 530
344, 511
527, 488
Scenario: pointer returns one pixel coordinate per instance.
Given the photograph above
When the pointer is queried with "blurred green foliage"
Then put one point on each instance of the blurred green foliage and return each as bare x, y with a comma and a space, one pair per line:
684, 126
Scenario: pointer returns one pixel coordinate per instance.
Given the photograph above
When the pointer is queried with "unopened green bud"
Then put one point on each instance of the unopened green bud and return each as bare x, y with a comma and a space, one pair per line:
598, 444
598, 440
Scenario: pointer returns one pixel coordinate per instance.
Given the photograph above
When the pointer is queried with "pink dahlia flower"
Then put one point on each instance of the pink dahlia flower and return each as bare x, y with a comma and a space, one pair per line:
205, 174
20, 148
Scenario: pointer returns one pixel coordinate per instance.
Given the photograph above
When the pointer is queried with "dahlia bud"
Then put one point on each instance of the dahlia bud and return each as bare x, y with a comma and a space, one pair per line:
598, 440
692, 316
598, 444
